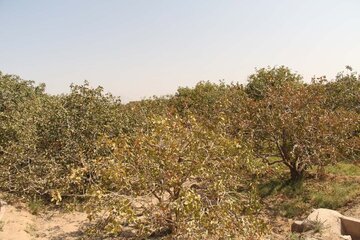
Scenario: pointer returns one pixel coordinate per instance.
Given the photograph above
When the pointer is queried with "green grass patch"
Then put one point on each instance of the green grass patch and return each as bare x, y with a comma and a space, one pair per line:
293, 208
36, 206
291, 200
286, 198
344, 169
335, 195
280, 186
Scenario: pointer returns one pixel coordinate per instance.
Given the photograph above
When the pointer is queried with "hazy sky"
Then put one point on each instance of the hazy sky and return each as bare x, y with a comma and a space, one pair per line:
137, 48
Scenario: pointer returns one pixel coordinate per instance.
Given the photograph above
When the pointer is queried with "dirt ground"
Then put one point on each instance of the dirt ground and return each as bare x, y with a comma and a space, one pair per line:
19, 224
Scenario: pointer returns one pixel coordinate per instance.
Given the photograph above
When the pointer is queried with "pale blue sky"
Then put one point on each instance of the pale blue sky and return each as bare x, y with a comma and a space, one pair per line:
138, 48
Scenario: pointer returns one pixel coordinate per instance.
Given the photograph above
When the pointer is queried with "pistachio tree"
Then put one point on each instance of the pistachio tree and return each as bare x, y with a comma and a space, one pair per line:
293, 126
270, 78
174, 178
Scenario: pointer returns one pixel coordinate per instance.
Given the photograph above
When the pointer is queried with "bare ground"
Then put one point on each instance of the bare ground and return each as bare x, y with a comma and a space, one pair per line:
19, 224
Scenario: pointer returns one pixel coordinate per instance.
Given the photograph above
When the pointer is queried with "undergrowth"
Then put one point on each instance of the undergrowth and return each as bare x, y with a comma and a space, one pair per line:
289, 199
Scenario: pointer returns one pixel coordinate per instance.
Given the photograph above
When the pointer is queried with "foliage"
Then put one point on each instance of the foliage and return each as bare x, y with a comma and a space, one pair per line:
70, 134
344, 91
51, 137
205, 101
268, 78
293, 124
181, 166
344, 169
176, 177
20, 111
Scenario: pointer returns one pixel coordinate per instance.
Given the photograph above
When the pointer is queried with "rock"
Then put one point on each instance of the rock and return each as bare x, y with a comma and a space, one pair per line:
351, 226
297, 227
328, 221
330, 224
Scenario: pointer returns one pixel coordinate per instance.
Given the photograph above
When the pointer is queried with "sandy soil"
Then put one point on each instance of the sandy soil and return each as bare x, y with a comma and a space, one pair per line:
353, 209
19, 224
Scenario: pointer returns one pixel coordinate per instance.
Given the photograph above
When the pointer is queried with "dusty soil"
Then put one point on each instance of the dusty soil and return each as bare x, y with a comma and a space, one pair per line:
353, 209
19, 224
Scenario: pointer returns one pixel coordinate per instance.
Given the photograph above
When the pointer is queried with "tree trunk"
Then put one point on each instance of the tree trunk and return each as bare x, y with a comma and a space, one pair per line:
296, 174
